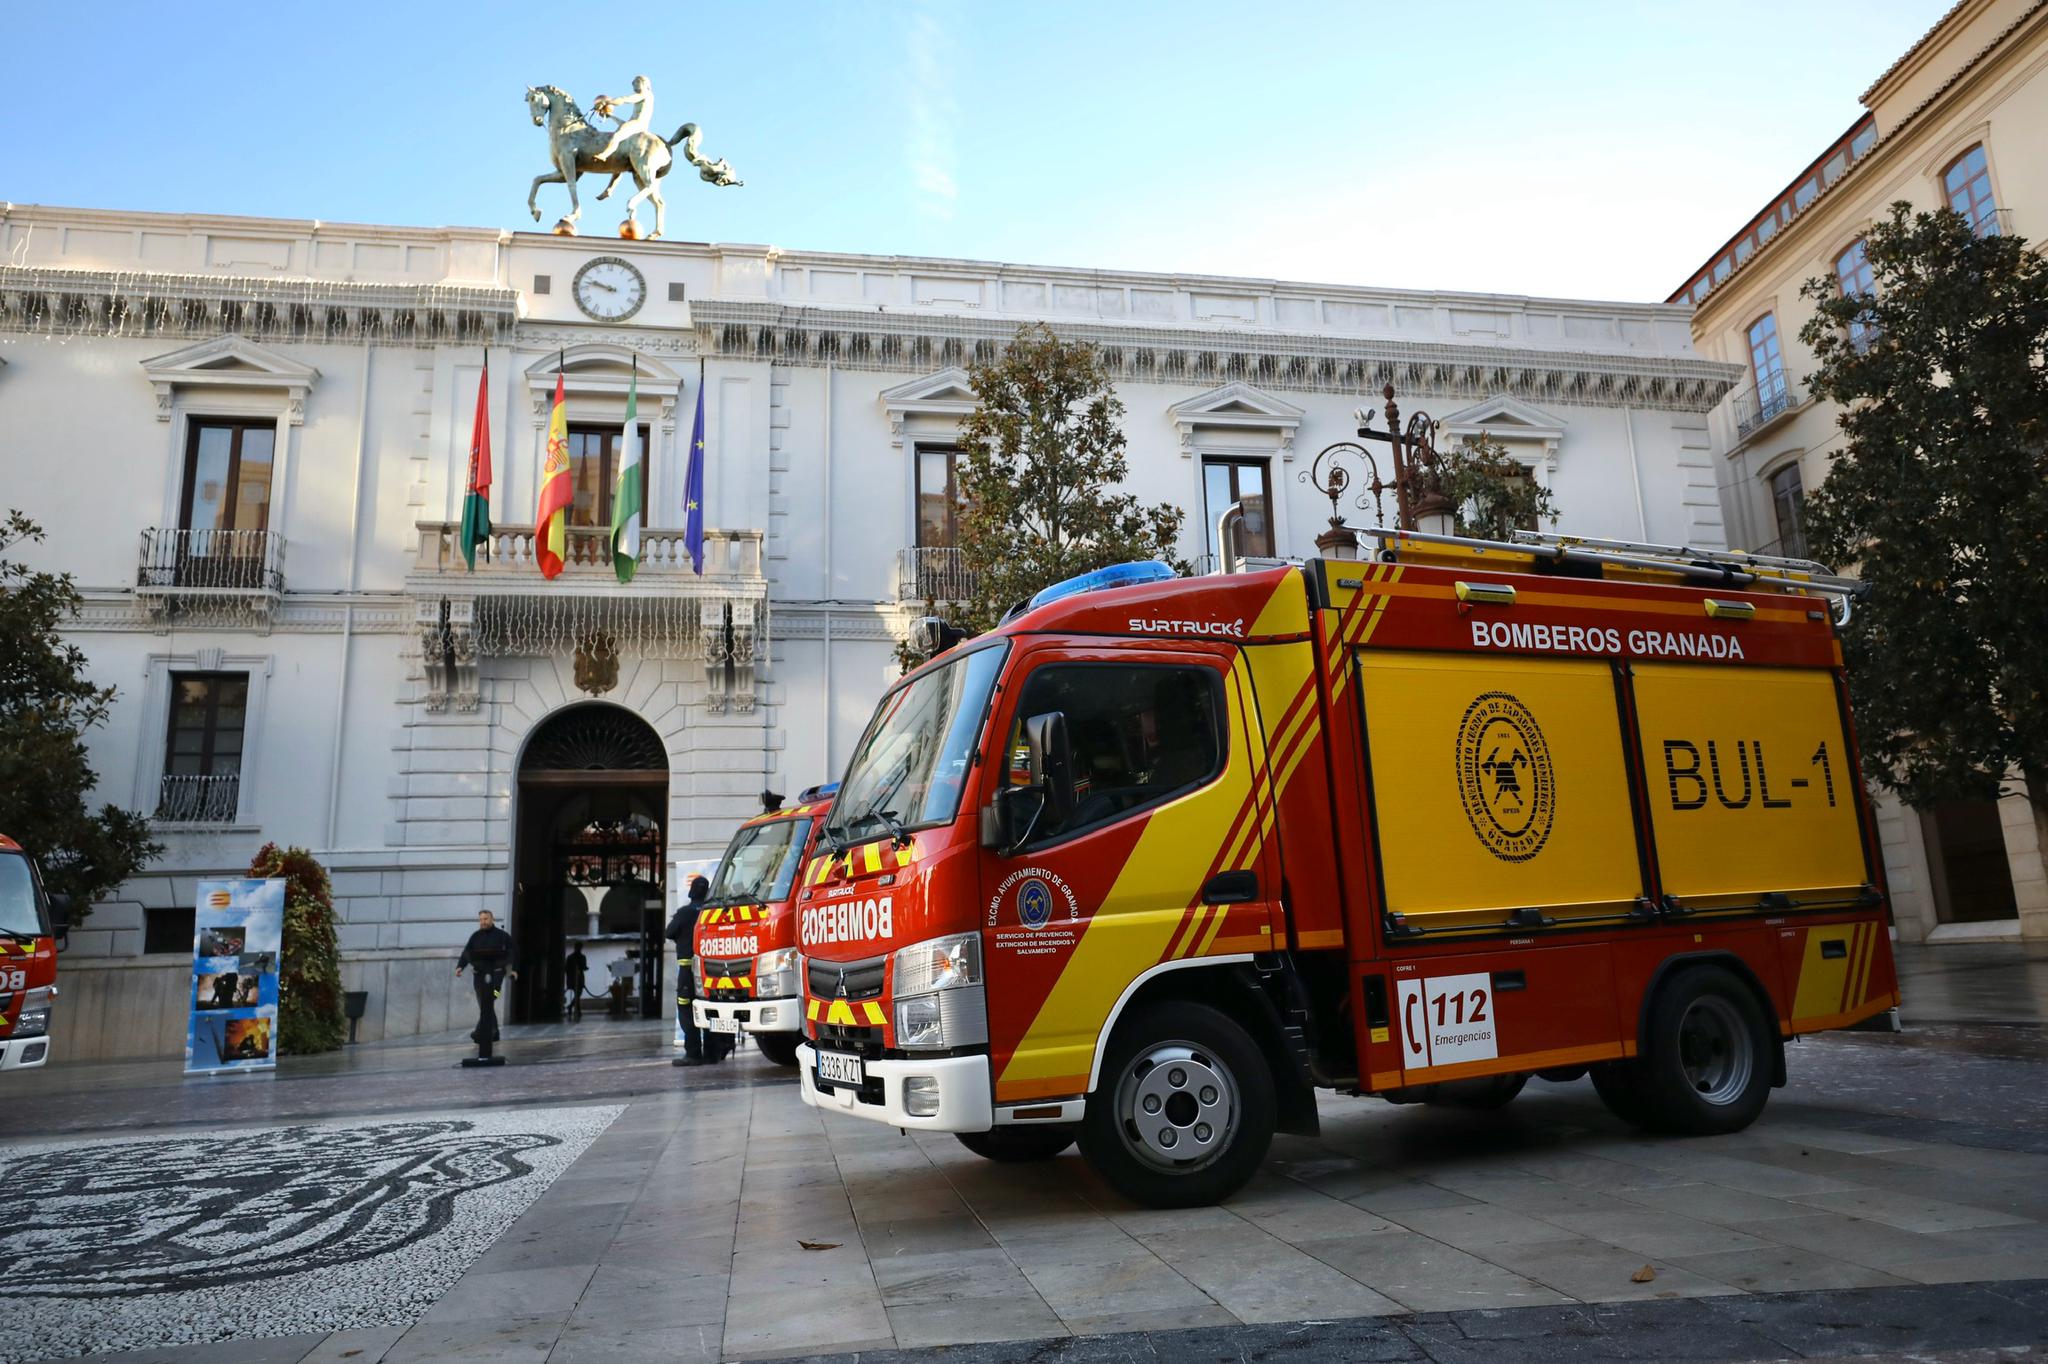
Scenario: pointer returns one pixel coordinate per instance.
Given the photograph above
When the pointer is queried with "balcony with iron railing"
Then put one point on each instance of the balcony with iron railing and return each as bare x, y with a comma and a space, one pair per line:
506, 562
934, 573
193, 798
1754, 408
181, 565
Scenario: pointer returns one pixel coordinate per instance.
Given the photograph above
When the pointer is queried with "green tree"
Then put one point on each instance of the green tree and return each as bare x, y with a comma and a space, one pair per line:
1493, 491
309, 1013
1937, 497
1041, 466
46, 708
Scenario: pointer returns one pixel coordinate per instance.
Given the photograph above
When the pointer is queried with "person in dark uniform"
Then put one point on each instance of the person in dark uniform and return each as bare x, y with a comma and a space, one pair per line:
575, 970
682, 931
489, 950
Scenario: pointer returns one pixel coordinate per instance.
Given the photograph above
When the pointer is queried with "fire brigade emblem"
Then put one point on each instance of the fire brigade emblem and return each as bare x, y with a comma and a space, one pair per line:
1505, 778
1034, 903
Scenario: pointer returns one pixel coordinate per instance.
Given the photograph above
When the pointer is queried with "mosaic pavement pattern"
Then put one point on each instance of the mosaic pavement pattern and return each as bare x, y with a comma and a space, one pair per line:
186, 1239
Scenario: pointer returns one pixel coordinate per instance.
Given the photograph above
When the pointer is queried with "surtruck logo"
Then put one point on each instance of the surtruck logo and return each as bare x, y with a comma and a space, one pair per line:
1505, 780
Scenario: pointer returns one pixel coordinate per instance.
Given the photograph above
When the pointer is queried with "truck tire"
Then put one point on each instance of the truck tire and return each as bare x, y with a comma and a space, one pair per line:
1185, 1109
779, 1047
1619, 1086
1705, 1067
1015, 1145
1484, 1094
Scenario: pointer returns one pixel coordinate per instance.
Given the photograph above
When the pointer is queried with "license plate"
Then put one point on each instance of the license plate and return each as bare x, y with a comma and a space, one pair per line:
716, 1024
841, 1069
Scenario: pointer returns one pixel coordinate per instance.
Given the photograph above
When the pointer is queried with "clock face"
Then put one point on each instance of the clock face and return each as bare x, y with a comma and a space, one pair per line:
610, 289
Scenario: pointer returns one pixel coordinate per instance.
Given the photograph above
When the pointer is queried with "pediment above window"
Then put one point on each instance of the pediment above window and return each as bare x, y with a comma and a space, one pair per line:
601, 369
948, 394
230, 361
1504, 418
1237, 407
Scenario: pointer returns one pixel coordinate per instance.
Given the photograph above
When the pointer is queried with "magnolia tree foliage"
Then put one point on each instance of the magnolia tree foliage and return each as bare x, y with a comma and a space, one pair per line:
1937, 497
1040, 478
310, 1017
46, 707
1495, 493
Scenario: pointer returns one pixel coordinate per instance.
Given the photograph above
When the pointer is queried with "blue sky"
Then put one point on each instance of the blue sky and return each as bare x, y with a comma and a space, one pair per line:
1596, 150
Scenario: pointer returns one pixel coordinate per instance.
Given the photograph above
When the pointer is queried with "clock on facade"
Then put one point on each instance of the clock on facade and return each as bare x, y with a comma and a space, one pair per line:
609, 289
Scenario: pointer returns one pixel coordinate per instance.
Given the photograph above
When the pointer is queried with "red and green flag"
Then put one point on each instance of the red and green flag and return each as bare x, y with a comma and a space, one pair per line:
476, 504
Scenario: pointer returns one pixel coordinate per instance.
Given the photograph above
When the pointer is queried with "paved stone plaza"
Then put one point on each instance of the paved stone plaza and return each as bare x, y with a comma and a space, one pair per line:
1893, 1200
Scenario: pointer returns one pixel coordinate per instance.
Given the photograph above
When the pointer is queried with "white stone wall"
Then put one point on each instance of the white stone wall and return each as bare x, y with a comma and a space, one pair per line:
821, 374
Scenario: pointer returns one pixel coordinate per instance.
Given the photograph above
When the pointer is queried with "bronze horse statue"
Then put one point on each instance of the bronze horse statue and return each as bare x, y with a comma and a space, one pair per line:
573, 147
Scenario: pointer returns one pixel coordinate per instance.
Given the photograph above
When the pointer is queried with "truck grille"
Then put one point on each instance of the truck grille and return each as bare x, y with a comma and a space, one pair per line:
735, 969
846, 979
842, 1037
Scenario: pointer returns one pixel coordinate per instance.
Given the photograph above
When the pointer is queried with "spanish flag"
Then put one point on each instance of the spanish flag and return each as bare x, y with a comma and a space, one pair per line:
551, 521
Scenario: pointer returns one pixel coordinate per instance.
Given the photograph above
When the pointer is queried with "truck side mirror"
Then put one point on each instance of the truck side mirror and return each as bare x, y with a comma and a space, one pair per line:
60, 916
1014, 814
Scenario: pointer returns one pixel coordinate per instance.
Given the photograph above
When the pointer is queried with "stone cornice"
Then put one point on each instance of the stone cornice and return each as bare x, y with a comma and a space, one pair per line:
314, 613
1298, 362
65, 302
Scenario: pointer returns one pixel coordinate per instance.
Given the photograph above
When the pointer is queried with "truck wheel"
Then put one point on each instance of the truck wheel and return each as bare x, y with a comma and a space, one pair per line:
1486, 1093
1620, 1087
1706, 1063
779, 1047
1014, 1145
1185, 1110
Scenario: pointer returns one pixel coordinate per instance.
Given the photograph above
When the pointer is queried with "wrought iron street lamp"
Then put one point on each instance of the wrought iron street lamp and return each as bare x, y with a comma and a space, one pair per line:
1417, 480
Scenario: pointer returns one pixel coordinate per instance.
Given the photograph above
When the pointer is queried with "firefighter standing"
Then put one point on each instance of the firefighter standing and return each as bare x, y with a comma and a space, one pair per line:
682, 931
489, 950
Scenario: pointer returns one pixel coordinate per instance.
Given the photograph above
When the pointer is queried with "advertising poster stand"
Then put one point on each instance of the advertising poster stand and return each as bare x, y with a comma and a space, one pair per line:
237, 945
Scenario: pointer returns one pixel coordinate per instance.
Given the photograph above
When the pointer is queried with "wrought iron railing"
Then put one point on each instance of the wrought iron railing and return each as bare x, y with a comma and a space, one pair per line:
185, 798
933, 573
1755, 408
175, 559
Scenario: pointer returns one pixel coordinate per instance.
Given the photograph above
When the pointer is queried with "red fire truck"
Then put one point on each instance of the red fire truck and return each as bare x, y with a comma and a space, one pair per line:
31, 925
1159, 857
746, 951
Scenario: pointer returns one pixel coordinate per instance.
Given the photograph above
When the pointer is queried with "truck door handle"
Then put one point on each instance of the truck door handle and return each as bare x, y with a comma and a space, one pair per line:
1231, 888
1834, 947
1505, 981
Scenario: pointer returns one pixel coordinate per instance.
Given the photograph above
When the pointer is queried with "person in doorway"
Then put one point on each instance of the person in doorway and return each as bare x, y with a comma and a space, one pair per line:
682, 931
575, 970
489, 950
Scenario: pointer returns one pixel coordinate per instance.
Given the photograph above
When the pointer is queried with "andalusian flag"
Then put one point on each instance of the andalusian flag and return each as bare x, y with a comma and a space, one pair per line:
627, 503
476, 506
551, 519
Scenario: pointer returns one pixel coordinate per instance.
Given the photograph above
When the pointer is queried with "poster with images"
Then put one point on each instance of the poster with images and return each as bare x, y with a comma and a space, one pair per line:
236, 942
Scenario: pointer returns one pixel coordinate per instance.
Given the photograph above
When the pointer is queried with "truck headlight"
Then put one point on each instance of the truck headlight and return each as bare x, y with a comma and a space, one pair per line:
938, 964
775, 973
34, 1020
697, 973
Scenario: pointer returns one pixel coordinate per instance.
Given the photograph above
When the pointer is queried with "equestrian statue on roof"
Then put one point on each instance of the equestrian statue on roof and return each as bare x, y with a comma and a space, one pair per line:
577, 147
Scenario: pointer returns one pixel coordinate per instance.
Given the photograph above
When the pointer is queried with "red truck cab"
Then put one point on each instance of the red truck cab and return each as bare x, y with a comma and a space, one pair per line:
747, 961
31, 922
1158, 858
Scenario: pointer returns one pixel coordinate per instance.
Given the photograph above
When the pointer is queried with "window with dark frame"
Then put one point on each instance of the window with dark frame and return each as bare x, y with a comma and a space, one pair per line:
1243, 481
1967, 182
1852, 273
203, 748
938, 496
1141, 733
594, 456
169, 930
1788, 495
1767, 365
227, 475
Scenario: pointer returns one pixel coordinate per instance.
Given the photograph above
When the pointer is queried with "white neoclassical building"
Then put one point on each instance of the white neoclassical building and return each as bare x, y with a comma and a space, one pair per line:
249, 439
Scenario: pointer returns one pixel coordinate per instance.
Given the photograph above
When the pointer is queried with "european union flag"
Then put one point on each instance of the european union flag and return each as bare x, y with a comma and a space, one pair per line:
693, 490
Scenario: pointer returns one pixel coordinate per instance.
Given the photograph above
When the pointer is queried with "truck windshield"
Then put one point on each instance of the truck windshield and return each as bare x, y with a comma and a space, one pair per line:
761, 863
18, 915
911, 765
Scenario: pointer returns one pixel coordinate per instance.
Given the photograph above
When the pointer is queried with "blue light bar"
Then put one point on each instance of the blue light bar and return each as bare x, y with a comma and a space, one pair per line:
1116, 575
809, 794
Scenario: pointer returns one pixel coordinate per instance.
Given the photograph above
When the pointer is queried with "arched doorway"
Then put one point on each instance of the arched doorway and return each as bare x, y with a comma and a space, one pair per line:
592, 834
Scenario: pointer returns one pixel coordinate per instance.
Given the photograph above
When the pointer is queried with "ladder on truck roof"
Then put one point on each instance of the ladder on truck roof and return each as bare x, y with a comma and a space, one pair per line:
1733, 568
